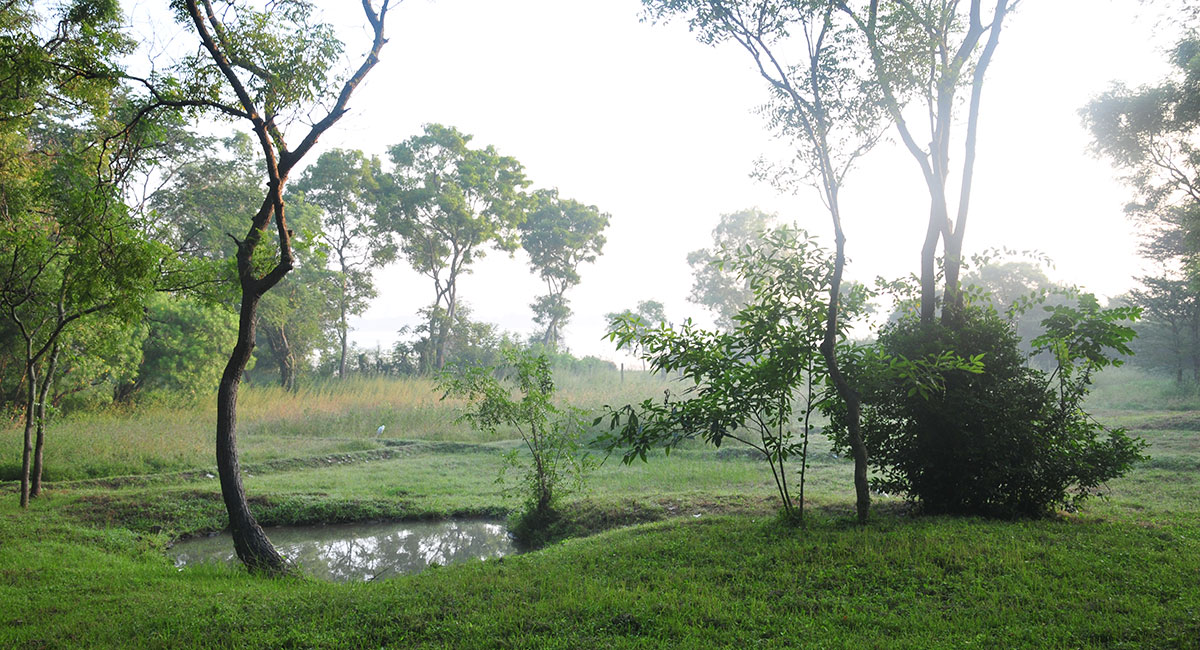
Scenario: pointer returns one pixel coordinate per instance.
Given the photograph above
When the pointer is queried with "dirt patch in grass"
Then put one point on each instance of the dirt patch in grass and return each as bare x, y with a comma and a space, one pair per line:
176, 510
1188, 421
588, 517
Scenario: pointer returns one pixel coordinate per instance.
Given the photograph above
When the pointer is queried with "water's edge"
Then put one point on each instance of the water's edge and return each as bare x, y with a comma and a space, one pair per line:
353, 552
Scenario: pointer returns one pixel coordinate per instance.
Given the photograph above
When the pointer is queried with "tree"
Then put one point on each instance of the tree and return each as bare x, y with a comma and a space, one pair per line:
70, 251
204, 202
102, 352
1004, 439
1152, 134
820, 104
557, 459
446, 203
468, 342
295, 318
650, 312
260, 67
343, 185
559, 235
714, 286
750, 384
930, 52
1169, 336
181, 350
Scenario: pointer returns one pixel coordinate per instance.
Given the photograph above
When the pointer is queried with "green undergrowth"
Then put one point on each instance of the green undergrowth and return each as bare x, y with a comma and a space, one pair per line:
684, 551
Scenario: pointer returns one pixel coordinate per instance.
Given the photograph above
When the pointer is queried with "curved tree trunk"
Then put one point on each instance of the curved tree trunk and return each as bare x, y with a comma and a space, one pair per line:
251, 543
862, 493
249, 540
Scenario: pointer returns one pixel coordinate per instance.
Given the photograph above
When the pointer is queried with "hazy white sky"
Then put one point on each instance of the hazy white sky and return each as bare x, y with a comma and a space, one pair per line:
661, 132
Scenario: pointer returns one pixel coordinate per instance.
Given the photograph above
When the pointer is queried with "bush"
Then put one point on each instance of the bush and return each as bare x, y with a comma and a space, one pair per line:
1011, 441
557, 461
756, 384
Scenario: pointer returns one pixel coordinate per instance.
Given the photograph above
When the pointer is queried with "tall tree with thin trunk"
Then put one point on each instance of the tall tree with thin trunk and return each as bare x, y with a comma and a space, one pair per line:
559, 235
805, 52
443, 205
930, 52
261, 68
343, 185
1152, 136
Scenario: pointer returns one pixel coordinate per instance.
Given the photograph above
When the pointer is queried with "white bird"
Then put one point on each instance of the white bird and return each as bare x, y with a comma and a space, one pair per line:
379, 431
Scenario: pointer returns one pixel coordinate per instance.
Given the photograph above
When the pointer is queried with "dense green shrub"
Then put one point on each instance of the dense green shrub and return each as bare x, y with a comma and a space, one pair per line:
1011, 441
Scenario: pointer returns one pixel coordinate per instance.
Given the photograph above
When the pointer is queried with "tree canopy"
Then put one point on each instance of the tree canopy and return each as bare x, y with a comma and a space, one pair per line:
445, 204
559, 235
716, 287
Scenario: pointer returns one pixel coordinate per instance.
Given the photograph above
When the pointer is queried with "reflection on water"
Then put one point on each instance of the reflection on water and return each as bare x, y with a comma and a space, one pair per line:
364, 551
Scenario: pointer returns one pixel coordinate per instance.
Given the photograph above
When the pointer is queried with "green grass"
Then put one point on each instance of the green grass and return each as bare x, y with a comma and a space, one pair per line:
1131, 389
84, 567
718, 582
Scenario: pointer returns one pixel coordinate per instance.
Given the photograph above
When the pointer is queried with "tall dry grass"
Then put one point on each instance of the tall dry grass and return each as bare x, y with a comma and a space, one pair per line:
323, 417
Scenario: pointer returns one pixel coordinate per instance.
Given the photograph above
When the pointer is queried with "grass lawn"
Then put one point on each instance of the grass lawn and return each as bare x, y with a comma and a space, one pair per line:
84, 567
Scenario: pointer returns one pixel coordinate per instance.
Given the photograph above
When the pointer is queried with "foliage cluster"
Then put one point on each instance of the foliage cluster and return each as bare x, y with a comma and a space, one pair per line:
1150, 133
552, 434
757, 384
1010, 441
445, 203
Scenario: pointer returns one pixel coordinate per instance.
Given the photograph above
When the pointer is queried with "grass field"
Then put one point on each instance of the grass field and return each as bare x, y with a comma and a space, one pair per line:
85, 567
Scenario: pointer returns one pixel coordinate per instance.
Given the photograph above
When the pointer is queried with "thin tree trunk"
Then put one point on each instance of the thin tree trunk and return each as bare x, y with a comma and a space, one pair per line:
30, 396
342, 360
428, 353
956, 231
551, 339
287, 372
35, 487
447, 325
952, 298
848, 394
285, 357
343, 326
929, 267
249, 540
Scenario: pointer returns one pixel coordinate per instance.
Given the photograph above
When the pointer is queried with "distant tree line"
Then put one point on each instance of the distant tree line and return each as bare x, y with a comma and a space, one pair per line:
1151, 133
442, 205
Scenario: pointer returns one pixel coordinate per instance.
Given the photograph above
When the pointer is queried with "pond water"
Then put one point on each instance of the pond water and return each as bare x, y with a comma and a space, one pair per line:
346, 552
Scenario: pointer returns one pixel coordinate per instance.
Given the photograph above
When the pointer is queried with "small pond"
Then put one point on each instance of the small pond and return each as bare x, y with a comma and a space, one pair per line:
346, 552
